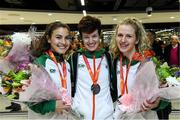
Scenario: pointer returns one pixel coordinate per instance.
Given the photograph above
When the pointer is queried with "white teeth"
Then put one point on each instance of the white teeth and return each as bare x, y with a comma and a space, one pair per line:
62, 47
123, 45
91, 45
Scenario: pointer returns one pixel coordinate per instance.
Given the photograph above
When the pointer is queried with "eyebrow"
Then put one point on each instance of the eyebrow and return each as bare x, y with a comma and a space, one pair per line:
58, 35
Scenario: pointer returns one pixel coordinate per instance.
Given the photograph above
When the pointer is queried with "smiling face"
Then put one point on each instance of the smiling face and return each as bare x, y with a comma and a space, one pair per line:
91, 40
126, 40
60, 40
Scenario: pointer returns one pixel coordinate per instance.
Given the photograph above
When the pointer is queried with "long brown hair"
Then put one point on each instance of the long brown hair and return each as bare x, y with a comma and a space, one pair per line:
40, 45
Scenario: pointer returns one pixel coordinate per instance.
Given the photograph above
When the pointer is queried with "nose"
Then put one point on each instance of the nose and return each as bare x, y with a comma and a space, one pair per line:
90, 39
63, 41
123, 39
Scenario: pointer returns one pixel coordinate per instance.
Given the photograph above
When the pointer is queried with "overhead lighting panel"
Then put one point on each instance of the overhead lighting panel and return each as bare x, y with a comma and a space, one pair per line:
82, 3
84, 12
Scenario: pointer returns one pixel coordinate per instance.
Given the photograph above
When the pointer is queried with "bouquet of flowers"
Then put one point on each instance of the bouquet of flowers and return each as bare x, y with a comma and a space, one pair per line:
146, 87
167, 74
24, 82
43, 88
14, 64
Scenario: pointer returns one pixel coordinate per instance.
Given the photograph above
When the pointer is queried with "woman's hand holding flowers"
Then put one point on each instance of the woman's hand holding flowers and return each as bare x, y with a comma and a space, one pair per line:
61, 105
149, 104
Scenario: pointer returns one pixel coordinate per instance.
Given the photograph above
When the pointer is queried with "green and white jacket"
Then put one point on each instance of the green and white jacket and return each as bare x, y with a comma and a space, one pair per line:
46, 109
81, 86
135, 67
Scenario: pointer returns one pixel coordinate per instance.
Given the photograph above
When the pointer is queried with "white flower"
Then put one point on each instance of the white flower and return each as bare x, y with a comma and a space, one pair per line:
165, 65
172, 81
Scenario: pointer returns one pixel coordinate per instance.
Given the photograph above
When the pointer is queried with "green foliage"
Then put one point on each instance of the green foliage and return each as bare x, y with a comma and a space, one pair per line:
163, 70
1, 42
17, 77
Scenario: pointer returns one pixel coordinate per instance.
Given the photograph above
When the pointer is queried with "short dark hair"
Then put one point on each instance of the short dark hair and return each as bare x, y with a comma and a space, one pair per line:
88, 24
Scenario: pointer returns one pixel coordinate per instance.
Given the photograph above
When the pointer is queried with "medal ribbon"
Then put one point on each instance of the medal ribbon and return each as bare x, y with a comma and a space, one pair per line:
138, 57
62, 77
94, 77
123, 83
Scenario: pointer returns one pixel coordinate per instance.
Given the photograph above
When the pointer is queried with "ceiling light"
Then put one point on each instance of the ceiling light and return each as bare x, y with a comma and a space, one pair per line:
33, 23
21, 18
82, 3
114, 19
57, 20
172, 17
84, 12
49, 14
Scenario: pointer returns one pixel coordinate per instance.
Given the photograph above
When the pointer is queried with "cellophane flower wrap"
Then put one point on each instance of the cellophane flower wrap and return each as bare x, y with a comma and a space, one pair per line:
43, 88
146, 87
22, 81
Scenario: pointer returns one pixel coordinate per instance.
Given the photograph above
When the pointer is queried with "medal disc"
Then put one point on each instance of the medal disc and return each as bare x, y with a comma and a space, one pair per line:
95, 88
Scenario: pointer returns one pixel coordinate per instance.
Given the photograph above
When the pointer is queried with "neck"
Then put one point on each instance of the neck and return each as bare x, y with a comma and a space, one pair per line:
97, 53
97, 49
174, 45
58, 56
56, 53
130, 54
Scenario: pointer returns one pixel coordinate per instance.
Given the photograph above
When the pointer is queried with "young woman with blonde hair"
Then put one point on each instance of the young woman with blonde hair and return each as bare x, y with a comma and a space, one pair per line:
131, 51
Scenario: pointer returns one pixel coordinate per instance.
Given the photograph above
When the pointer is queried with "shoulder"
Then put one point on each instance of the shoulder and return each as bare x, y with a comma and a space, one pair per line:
148, 64
41, 60
168, 47
72, 56
109, 55
147, 60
